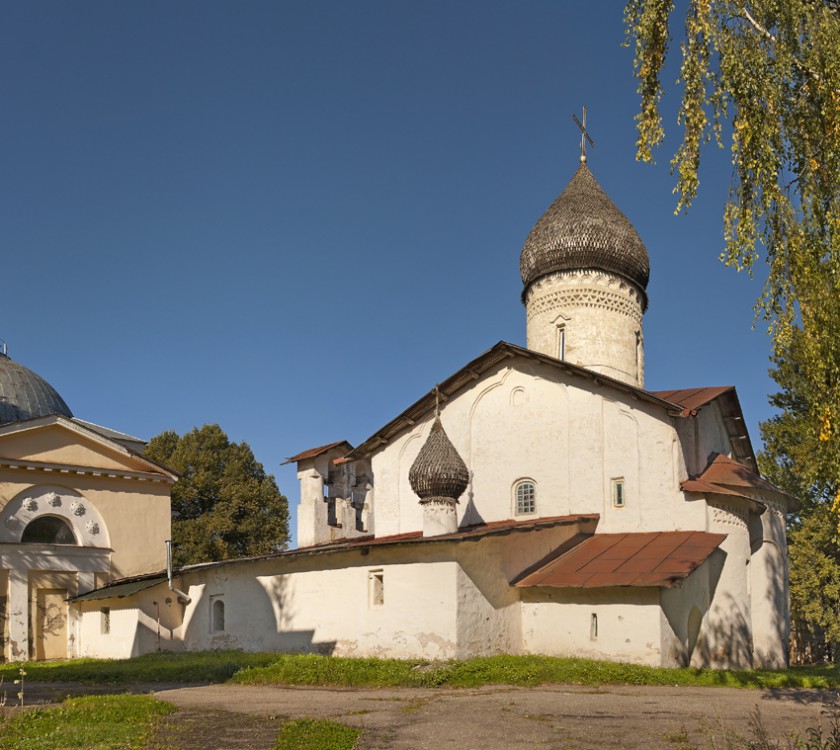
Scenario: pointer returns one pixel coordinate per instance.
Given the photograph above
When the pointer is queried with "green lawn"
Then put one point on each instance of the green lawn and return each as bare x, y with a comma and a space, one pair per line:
316, 734
310, 669
105, 722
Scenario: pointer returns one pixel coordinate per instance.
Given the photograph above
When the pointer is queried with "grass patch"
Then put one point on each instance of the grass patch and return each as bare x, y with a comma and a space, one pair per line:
109, 722
202, 666
517, 670
333, 671
316, 734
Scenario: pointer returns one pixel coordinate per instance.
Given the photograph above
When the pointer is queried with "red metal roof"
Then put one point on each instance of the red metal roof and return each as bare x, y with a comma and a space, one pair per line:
692, 398
313, 452
468, 532
726, 476
659, 558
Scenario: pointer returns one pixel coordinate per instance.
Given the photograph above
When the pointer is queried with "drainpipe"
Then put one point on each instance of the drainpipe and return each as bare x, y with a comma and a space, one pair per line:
182, 597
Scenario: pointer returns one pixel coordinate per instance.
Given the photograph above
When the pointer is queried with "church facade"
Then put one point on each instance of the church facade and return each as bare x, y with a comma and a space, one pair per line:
538, 500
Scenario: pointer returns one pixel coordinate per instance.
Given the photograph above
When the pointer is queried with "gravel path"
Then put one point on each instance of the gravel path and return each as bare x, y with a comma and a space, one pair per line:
499, 718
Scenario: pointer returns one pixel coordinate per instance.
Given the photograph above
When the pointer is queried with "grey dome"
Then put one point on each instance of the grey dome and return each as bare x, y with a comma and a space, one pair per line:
25, 395
584, 229
438, 472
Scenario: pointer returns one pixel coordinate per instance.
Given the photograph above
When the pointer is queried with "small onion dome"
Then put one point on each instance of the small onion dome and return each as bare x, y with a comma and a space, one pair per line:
438, 472
584, 229
25, 395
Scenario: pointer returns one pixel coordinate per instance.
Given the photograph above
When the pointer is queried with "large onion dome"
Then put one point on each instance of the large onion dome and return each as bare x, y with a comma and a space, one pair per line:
25, 395
438, 472
584, 229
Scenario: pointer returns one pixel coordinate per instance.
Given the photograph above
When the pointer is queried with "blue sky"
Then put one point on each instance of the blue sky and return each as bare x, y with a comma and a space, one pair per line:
294, 218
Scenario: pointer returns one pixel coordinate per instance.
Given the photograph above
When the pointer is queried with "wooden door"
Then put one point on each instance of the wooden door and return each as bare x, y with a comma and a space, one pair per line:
51, 624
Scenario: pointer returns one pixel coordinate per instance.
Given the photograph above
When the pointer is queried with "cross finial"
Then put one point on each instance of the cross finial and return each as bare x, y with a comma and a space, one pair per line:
584, 136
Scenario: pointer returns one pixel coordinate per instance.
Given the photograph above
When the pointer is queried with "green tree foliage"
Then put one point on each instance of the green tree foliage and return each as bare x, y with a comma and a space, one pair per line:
794, 458
224, 505
771, 68
770, 71
815, 575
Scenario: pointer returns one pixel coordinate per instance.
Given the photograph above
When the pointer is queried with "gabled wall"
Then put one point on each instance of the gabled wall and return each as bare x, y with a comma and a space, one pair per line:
567, 434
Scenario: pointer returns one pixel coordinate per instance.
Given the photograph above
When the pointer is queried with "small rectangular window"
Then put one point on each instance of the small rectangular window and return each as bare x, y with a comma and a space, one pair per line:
593, 627
561, 342
376, 586
217, 614
618, 493
105, 620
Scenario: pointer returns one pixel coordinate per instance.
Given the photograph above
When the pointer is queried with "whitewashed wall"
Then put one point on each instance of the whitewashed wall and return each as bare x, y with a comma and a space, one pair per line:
570, 437
559, 622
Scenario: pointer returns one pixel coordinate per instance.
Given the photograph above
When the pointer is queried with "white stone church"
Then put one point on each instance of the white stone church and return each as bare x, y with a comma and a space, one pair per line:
539, 500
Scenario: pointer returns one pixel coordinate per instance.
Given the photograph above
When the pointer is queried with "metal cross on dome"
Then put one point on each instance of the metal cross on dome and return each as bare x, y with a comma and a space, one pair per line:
584, 136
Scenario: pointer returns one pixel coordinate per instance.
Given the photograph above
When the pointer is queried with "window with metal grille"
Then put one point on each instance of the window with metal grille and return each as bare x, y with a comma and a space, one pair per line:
526, 498
618, 496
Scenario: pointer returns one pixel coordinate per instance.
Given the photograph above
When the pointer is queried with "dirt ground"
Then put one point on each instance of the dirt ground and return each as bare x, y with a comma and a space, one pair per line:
228, 717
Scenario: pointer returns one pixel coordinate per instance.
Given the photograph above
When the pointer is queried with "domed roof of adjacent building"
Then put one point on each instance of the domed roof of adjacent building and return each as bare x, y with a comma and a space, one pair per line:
584, 229
25, 395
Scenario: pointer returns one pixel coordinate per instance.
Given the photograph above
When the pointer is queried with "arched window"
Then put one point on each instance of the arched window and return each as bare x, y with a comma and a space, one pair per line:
525, 497
49, 530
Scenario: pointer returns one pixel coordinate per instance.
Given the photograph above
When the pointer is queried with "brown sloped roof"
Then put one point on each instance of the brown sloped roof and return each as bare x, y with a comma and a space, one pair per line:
313, 452
727, 477
652, 559
690, 400
693, 398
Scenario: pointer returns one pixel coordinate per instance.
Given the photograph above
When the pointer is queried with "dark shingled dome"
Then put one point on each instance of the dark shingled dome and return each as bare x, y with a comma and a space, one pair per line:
438, 472
25, 395
583, 229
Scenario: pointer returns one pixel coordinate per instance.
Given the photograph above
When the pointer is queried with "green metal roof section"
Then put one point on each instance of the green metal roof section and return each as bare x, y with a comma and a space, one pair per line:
119, 590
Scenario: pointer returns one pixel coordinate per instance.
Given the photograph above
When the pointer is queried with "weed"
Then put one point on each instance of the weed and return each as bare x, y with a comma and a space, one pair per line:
759, 737
19, 681
679, 739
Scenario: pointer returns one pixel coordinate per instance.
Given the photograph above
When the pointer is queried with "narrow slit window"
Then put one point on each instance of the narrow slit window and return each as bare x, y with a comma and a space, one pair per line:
217, 614
105, 620
618, 493
561, 342
593, 627
526, 498
376, 586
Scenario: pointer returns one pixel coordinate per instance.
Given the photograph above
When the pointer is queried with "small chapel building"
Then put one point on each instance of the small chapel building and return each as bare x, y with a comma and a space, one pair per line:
80, 506
538, 500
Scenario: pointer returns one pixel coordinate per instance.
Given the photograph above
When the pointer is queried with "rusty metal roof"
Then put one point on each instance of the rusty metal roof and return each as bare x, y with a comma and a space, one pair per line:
693, 398
654, 559
477, 531
314, 452
726, 397
728, 477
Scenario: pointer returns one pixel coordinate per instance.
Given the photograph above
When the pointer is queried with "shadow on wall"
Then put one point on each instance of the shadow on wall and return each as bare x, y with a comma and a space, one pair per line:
244, 610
